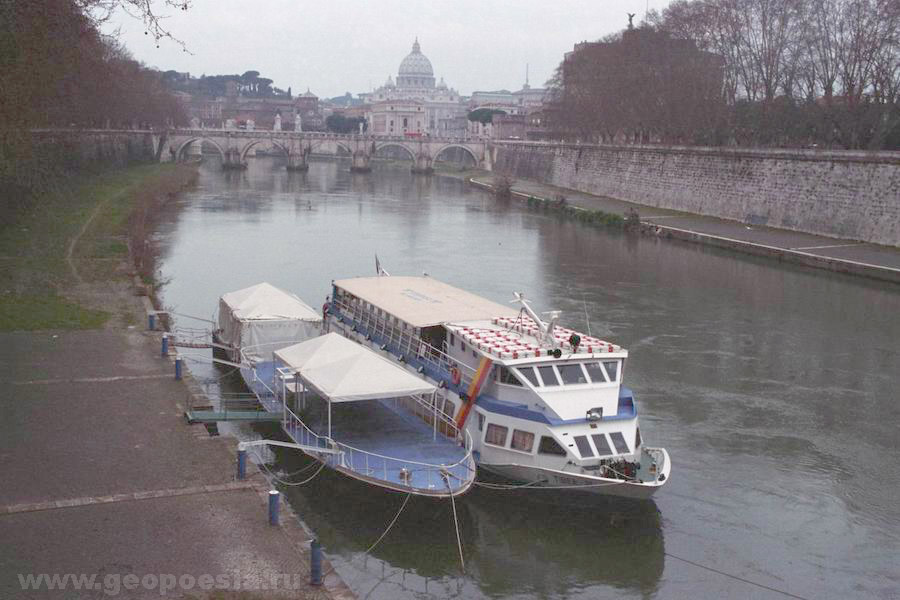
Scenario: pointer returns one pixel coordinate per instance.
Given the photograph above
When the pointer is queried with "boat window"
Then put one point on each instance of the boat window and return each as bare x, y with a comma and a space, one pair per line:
506, 376
480, 422
584, 448
452, 340
448, 408
549, 445
522, 440
618, 441
612, 369
528, 373
637, 437
595, 372
571, 374
602, 445
548, 376
496, 435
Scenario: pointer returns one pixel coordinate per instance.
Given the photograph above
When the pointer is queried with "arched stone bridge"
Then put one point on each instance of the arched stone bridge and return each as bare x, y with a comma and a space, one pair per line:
297, 146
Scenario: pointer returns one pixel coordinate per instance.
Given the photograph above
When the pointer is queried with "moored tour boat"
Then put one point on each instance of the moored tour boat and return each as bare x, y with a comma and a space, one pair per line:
543, 404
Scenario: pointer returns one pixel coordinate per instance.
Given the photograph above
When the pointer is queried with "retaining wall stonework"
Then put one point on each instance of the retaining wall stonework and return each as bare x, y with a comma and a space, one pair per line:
79, 148
843, 194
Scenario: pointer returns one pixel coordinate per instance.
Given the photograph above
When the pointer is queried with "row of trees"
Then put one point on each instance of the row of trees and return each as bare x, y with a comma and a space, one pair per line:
640, 85
793, 73
58, 70
338, 123
249, 84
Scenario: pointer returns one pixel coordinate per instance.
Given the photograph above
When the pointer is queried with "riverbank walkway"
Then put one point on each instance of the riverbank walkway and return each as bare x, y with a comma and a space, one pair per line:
845, 256
103, 477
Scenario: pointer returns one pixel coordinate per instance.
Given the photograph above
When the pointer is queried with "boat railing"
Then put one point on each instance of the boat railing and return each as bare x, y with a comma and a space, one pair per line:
401, 341
419, 475
247, 354
432, 414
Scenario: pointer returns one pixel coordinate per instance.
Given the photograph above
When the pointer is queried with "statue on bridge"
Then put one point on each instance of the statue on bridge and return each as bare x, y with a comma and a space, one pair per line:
298, 123
277, 126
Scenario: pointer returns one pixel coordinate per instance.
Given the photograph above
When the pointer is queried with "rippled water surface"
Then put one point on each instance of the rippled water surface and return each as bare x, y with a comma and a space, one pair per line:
774, 388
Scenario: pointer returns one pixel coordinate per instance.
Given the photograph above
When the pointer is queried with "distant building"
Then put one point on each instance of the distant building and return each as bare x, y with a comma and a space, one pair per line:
260, 111
415, 104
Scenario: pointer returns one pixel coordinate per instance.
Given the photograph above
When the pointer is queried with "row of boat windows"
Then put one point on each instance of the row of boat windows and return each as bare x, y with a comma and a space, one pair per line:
523, 441
564, 374
601, 445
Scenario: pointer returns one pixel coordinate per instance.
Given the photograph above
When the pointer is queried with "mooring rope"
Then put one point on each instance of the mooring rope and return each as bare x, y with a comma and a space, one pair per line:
533, 485
391, 524
381, 537
282, 481
462, 563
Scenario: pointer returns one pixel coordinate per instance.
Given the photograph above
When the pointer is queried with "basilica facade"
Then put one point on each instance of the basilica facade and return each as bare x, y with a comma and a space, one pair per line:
416, 105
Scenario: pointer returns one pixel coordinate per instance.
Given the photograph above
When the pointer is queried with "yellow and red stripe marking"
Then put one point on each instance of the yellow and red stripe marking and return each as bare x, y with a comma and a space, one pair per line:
481, 375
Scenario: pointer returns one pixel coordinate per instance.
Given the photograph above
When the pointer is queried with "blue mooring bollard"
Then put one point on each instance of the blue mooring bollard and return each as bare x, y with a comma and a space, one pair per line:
178, 361
315, 563
242, 465
273, 507
165, 345
151, 321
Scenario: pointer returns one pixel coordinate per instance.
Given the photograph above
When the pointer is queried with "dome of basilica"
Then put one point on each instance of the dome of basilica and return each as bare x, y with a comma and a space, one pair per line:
416, 64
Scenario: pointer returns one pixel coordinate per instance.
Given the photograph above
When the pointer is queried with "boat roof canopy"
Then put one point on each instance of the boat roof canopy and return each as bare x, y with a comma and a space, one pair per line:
423, 301
344, 371
265, 301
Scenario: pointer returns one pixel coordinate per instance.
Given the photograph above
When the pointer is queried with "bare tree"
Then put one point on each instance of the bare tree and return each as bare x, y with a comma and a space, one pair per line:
100, 11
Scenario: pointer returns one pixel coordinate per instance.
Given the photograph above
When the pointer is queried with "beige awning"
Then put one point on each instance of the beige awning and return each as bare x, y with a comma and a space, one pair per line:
344, 371
423, 301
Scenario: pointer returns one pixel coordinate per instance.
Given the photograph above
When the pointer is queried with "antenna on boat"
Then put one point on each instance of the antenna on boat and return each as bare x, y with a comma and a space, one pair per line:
378, 270
546, 328
586, 317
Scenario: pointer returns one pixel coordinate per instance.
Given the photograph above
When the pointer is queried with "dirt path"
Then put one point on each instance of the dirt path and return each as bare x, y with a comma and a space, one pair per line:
71, 249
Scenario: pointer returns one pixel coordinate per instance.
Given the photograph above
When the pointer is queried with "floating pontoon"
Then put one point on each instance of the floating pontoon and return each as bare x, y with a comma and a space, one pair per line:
367, 418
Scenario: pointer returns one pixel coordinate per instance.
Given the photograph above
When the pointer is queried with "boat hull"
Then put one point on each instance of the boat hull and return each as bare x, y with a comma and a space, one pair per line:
537, 477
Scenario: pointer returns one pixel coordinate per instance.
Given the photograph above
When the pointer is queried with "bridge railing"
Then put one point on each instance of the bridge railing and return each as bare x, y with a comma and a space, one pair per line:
320, 135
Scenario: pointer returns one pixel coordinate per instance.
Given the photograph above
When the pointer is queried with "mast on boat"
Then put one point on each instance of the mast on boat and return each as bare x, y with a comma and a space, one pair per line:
545, 328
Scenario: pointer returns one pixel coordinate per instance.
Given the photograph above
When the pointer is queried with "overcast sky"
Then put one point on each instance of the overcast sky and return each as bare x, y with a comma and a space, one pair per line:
335, 46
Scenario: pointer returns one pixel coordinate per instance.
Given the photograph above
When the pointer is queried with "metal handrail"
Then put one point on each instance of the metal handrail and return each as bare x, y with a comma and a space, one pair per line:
392, 335
291, 421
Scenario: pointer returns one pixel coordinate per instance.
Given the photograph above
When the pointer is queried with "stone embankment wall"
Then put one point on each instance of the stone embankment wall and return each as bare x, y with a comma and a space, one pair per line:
85, 148
843, 194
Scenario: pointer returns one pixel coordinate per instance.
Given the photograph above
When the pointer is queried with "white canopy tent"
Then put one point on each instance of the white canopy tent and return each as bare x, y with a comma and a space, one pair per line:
343, 371
257, 318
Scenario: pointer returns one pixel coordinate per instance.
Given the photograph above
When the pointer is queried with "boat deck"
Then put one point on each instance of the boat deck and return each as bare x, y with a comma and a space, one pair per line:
383, 442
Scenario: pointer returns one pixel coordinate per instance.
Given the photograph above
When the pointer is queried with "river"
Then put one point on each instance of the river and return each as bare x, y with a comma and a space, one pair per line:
773, 387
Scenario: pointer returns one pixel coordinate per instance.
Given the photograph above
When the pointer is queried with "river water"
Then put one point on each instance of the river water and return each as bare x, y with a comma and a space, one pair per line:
774, 388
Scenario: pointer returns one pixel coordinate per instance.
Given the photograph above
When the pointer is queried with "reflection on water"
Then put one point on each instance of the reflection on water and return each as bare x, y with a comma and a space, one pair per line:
774, 389
540, 544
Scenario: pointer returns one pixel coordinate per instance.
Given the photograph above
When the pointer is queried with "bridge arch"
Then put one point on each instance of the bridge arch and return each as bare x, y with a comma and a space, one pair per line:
332, 146
465, 148
179, 154
252, 143
345, 147
412, 155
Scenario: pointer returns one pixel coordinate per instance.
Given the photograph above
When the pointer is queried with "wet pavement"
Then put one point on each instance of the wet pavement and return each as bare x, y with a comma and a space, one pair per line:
102, 476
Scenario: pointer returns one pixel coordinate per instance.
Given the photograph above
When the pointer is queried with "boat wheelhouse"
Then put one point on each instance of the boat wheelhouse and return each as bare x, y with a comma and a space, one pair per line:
544, 404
